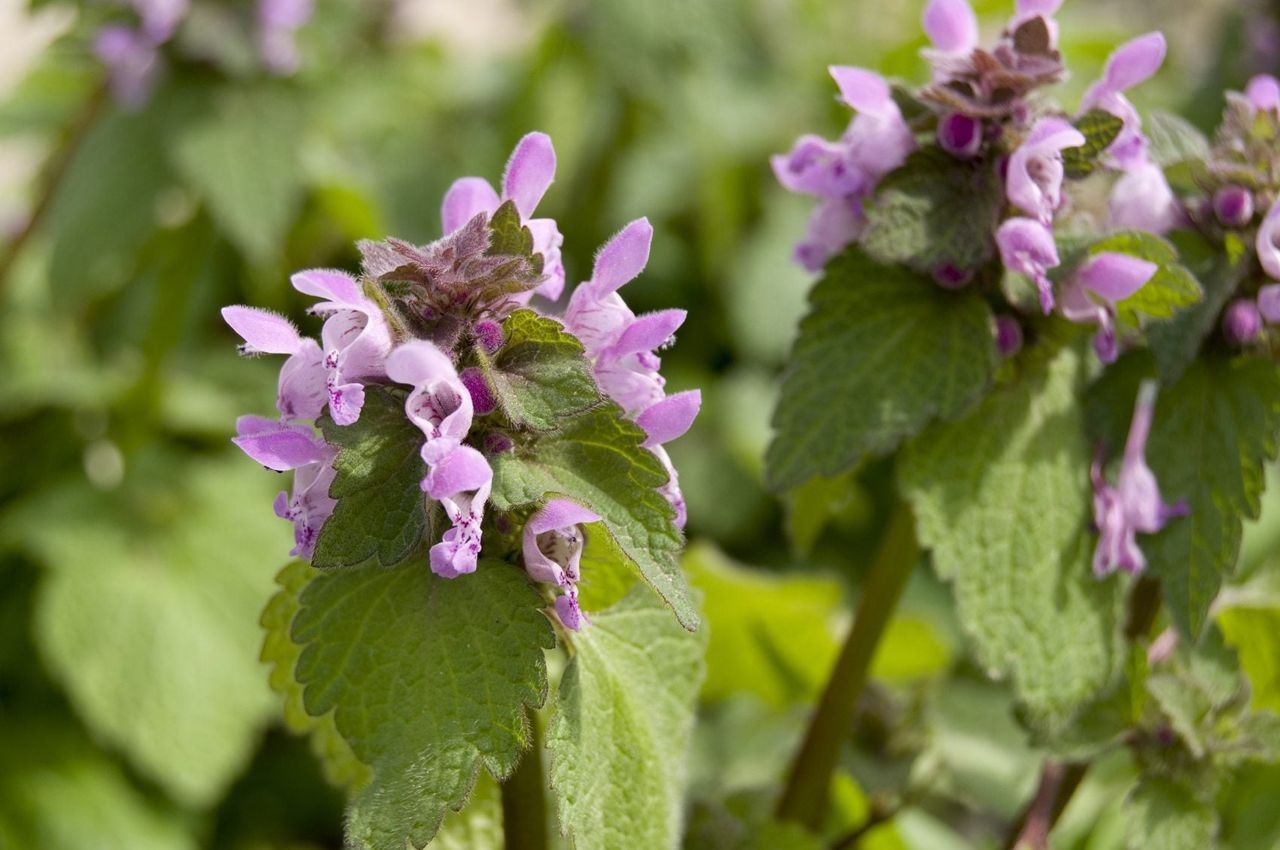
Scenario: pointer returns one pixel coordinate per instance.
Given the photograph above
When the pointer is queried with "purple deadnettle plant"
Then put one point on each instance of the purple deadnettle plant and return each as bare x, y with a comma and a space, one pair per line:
1000, 278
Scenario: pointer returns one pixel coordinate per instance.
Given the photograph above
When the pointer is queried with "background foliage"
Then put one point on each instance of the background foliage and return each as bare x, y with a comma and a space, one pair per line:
137, 548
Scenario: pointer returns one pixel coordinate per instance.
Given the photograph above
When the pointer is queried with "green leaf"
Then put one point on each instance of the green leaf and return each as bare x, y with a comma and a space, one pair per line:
882, 351
1219, 270
540, 376
57, 792
146, 616
104, 209
476, 827
935, 210
1100, 129
381, 513
242, 159
428, 678
508, 235
1002, 499
1213, 431
1164, 815
596, 459
1171, 289
340, 765
770, 635
620, 732
1255, 634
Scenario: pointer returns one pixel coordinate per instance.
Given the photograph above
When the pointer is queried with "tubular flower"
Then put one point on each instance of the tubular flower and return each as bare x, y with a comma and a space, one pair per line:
1094, 289
1034, 183
1027, 247
1134, 504
552, 546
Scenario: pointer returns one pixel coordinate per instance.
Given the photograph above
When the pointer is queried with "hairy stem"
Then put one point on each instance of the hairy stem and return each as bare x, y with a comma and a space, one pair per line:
54, 171
1058, 782
804, 799
524, 799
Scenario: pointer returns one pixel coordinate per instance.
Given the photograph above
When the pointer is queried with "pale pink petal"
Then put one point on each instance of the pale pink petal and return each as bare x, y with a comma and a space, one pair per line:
466, 198
263, 332
529, 172
670, 418
623, 257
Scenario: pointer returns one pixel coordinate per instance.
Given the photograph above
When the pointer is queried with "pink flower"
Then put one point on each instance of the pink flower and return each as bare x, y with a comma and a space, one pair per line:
1134, 504
1129, 64
303, 391
1034, 182
1268, 242
1096, 287
529, 173
1027, 247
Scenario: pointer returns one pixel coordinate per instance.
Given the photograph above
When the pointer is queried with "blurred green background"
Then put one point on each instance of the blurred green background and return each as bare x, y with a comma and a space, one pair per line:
137, 547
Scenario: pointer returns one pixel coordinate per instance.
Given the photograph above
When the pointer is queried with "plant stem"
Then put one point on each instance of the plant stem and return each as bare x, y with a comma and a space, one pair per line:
804, 799
1144, 604
54, 171
524, 800
1058, 782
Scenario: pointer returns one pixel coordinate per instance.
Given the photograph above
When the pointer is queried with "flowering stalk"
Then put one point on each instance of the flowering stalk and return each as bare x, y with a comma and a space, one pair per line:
805, 797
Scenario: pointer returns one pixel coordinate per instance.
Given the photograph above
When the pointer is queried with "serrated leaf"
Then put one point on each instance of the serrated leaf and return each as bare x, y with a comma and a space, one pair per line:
149, 624
1002, 499
341, 767
770, 635
57, 792
882, 351
541, 375
428, 679
381, 514
1100, 129
1171, 289
620, 732
935, 210
1213, 430
596, 459
242, 159
508, 235
1219, 270
1164, 815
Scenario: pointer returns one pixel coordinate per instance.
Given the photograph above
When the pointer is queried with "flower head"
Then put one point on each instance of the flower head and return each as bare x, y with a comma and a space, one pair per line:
1134, 504
1034, 182
1027, 247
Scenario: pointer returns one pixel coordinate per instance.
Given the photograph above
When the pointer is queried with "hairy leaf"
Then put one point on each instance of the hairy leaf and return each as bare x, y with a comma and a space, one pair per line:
381, 513
1100, 129
882, 351
596, 459
540, 376
619, 736
935, 210
427, 679
340, 765
1002, 499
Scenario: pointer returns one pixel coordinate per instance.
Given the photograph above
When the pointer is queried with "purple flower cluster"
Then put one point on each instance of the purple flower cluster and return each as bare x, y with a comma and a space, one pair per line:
131, 53
364, 343
981, 106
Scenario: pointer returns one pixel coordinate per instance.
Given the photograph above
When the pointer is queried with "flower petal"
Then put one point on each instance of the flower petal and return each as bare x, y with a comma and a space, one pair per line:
951, 25
1134, 61
623, 257
337, 286
420, 362
1115, 276
263, 331
466, 198
461, 471
670, 418
866, 91
648, 332
559, 513
529, 172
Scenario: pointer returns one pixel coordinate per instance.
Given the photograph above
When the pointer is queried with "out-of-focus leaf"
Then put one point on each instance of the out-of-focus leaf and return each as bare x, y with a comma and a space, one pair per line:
1164, 815
146, 615
243, 159
59, 793
1255, 635
770, 635
1100, 129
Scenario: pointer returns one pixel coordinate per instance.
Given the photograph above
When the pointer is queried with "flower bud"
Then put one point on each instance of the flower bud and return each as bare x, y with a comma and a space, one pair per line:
489, 334
1233, 206
1242, 322
481, 396
951, 276
960, 135
1008, 335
